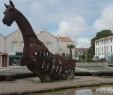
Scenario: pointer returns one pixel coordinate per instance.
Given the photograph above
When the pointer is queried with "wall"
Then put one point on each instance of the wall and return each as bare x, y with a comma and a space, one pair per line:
104, 47
2, 48
49, 40
2, 43
63, 48
14, 37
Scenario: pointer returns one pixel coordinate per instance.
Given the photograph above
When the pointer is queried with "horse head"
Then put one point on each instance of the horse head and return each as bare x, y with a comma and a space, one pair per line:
9, 14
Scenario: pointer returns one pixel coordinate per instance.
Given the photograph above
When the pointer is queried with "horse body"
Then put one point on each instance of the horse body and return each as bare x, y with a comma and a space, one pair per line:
36, 56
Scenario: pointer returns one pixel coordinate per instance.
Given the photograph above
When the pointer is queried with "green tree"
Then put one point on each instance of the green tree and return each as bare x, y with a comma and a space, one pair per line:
70, 47
101, 34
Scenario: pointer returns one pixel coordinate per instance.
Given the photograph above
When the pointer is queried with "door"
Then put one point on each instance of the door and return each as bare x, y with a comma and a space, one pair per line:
4, 59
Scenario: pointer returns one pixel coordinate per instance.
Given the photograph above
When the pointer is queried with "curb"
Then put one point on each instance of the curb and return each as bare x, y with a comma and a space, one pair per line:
88, 83
11, 77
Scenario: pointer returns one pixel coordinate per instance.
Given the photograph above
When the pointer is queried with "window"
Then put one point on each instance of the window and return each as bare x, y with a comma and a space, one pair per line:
48, 42
98, 50
96, 42
111, 40
106, 41
102, 41
14, 45
111, 48
102, 49
107, 49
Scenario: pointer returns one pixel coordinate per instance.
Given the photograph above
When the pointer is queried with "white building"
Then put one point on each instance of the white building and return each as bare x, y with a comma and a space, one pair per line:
79, 52
2, 43
49, 41
3, 54
104, 48
12, 45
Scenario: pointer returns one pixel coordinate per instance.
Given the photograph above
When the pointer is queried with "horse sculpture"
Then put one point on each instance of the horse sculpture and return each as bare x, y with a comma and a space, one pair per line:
36, 56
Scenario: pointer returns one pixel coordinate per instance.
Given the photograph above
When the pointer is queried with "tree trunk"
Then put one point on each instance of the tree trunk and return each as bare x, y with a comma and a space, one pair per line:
70, 53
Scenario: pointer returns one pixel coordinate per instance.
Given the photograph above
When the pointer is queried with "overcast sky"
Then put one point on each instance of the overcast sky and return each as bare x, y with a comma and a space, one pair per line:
78, 19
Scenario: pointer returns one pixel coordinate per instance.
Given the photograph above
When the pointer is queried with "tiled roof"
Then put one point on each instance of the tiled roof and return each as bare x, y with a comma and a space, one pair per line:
81, 49
65, 39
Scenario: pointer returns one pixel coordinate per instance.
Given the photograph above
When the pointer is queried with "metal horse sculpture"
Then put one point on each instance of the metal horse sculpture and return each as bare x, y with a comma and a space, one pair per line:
36, 56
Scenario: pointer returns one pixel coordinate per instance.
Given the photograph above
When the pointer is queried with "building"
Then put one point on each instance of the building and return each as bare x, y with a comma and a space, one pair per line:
12, 46
62, 46
3, 54
2, 43
49, 41
104, 48
79, 52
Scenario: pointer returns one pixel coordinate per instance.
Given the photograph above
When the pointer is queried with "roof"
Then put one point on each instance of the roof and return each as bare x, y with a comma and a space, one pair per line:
2, 35
47, 33
12, 33
65, 39
39, 32
103, 38
81, 49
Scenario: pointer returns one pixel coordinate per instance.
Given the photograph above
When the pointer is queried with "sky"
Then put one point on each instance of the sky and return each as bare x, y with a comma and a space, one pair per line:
78, 19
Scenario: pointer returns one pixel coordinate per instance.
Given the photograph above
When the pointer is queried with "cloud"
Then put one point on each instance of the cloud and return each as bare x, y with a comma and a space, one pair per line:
83, 42
73, 27
105, 21
73, 18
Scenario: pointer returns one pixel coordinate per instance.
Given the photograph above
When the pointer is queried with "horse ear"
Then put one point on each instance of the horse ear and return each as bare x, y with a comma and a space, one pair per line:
11, 3
6, 5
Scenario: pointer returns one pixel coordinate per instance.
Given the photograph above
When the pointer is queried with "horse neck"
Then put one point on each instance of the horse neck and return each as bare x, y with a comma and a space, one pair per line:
25, 27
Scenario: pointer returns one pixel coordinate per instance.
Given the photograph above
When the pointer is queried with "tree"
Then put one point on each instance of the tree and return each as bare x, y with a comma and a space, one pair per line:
101, 34
70, 47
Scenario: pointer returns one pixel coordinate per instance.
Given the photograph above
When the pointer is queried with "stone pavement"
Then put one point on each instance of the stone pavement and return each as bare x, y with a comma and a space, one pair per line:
16, 72
33, 85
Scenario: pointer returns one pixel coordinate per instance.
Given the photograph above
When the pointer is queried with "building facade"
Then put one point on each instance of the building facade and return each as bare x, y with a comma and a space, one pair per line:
80, 52
12, 46
62, 46
2, 43
3, 54
104, 48
49, 41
